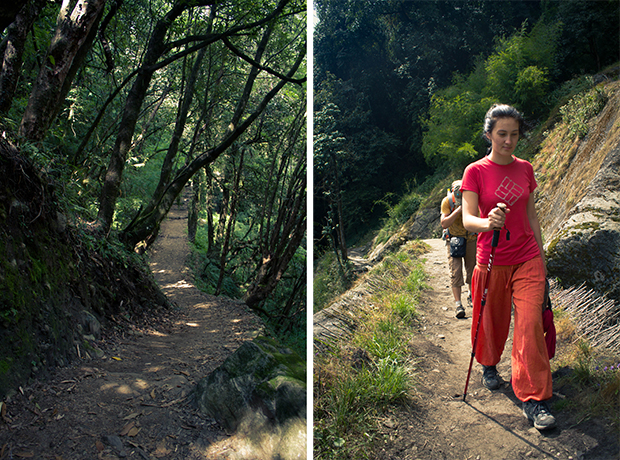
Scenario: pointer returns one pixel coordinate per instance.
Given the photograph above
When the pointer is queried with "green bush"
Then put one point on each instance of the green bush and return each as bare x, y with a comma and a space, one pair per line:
518, 72
581, 109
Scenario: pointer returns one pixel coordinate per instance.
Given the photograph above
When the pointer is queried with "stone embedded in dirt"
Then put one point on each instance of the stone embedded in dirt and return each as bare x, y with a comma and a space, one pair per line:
260, 390
116, 444
90, 324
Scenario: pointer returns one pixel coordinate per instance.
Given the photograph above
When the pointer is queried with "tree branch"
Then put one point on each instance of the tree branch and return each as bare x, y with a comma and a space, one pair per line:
259, 66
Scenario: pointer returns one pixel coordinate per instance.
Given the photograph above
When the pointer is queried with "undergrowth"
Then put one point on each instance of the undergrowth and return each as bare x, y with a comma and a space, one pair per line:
330, 280
289, 328
582, 108
587, 377
358, 379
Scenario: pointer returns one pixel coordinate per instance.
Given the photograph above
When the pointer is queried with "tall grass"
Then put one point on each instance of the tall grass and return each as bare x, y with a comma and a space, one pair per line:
359, 379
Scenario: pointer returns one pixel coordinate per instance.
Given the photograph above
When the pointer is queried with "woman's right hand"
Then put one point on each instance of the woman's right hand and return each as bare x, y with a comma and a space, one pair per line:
497, 218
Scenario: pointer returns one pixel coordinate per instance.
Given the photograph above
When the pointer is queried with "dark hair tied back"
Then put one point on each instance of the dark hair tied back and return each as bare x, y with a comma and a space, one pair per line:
501, 111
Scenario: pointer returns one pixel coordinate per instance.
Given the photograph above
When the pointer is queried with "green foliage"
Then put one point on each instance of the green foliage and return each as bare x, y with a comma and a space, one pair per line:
531, 88
404, 306
345, 412
453, 137
517, 73
329, 280
582, 108
398, 214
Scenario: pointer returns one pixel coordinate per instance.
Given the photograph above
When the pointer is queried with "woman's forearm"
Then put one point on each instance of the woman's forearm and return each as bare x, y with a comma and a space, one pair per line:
473, 223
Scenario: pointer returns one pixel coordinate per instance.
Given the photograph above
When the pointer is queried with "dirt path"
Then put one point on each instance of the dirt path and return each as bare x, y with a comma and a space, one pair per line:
489, 425
134, 401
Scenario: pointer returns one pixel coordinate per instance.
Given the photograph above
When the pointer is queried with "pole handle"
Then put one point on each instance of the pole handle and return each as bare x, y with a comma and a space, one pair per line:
495, 241
495, 238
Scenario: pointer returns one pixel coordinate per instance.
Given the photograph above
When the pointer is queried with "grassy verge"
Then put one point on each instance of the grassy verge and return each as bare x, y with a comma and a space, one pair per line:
364, 375
588, 377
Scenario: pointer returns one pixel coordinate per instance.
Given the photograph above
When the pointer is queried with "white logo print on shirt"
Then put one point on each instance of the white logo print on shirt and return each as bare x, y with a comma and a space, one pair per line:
509, 191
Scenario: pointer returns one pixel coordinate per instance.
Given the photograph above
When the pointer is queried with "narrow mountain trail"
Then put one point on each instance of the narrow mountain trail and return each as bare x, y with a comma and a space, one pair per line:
134, 400
488, 425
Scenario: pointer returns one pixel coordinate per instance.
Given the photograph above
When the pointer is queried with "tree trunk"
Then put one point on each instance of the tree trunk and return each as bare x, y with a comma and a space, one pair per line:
8, 11
282, 238
135, 98
55, 76
286, 236
273, 267
14, 50
173, 148
209, 206
139, 143
223, 214
192, 212
146, 224
234, 203
285, 317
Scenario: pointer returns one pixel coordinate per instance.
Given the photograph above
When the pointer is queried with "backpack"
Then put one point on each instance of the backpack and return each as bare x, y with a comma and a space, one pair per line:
445, 235
548, 324
451, 200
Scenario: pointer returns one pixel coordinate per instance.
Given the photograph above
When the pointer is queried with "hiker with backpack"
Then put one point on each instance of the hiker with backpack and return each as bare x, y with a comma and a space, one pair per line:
460, 243
518, 274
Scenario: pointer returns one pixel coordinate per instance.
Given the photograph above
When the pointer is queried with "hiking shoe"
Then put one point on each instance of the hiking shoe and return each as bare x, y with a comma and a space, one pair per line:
469, 304
460, 311
490, 378
538, 413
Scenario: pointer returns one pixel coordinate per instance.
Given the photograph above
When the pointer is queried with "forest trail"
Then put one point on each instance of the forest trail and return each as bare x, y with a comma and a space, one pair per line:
488, 425
134, 402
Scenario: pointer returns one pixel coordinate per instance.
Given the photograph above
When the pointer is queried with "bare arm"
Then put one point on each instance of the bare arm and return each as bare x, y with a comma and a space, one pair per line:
448, 219
475, 224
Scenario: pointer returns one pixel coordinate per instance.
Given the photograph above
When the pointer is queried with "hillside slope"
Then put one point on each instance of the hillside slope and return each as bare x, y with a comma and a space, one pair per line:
578, 198
60, 287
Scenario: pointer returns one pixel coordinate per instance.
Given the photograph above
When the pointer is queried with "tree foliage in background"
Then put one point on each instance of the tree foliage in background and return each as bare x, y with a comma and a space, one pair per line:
123, 103
517, 72
380, 63
413, 80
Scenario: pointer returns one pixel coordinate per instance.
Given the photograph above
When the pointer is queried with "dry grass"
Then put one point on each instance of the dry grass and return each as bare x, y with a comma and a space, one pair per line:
589, 376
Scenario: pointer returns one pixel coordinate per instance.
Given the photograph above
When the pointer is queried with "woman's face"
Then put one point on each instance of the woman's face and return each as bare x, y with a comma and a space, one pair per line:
504, 138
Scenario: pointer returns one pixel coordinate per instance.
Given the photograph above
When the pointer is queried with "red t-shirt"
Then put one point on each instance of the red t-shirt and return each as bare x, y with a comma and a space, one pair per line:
511, 184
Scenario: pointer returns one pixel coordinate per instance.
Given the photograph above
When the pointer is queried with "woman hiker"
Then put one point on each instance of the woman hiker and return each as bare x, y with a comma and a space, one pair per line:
518, 273
452, 220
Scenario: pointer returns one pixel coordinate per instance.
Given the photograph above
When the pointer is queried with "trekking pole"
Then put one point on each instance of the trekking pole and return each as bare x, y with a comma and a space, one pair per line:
483, 301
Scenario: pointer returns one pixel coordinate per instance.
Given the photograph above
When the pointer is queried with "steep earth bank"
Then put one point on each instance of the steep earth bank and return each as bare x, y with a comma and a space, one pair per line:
58, 284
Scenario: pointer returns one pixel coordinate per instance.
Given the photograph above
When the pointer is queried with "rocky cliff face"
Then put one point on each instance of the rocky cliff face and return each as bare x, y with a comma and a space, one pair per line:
578, 200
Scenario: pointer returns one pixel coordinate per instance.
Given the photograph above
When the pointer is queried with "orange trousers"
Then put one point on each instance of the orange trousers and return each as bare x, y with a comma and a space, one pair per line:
523, 285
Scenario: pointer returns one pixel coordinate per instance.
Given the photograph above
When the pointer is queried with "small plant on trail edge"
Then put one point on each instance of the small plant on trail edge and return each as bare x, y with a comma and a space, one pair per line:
360, 378
589, 377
